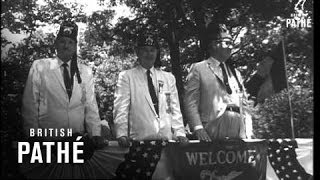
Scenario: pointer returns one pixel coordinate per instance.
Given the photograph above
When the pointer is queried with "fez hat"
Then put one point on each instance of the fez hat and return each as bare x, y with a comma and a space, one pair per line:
213, 31
68, 29
147, 39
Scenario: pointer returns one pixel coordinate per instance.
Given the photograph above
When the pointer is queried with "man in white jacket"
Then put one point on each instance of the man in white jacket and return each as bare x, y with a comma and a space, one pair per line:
214, 97
146, 104
59, 93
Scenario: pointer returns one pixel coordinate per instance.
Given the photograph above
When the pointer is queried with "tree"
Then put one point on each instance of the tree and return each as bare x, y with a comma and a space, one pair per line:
180, 26
274, 115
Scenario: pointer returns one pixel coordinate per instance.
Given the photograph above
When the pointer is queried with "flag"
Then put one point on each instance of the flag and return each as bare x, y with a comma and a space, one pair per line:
141, 161
270, 77
283, 159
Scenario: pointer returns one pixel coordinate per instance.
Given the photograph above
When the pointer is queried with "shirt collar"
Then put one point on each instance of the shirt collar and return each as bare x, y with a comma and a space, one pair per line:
214, 61
144, 70
60, 62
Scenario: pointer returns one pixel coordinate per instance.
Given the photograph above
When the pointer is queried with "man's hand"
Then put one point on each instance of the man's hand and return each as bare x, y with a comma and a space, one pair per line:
182, 139
202, 135
99, 142
124, 141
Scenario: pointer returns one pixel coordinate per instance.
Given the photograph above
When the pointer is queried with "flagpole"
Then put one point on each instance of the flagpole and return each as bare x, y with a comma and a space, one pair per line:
289, 98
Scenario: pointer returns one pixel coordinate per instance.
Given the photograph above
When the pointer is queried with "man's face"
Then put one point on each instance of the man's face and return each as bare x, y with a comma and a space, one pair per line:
222, 46
147, 56
66, 47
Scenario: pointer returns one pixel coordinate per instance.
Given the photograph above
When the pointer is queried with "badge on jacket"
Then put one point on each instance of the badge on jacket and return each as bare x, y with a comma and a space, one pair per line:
83, 96
160, 85
168, 101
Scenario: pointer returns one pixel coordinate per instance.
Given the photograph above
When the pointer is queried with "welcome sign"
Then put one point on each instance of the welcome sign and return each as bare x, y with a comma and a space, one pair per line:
219, 160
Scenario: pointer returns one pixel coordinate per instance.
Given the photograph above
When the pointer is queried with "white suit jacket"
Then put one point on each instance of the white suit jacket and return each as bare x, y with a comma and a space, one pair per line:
204, 95
46, 103
133, 106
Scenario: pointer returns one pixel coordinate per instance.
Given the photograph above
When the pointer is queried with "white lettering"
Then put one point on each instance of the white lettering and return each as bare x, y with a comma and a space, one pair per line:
242, 158
50, 132
21, 152
61, 132
203, 160
31, 130
288, 22
192, 158
210, 159
309, 23
39, 132
69, 132
36, 153
233, 157
219, 157
48, 146
302, 22
298, 23
76, 151
64, 152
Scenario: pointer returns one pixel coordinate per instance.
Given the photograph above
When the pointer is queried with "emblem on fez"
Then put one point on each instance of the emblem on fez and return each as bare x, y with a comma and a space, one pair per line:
67, 30
149, 41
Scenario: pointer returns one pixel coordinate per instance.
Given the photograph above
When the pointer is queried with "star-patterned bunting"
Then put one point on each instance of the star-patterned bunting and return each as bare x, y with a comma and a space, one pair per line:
141, 161
283, 159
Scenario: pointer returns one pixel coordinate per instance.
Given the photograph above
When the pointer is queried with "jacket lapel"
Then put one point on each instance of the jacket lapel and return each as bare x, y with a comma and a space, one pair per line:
144, 84
75, 87
79, 90
57, 73
216, 70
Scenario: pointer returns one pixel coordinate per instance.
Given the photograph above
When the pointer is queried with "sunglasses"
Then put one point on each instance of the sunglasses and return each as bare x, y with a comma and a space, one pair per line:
225, 42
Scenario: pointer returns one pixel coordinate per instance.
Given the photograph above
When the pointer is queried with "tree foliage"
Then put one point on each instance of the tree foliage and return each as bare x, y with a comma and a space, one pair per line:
180, 26
274, 116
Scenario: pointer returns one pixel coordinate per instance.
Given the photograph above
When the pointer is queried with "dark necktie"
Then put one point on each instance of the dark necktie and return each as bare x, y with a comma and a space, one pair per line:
67, 79
225, 78
152, 92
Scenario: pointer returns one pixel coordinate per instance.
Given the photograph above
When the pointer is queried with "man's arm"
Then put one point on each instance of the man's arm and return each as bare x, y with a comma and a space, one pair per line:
121, 105
31, 99
191, 104
92, 118
177, 122
192, 98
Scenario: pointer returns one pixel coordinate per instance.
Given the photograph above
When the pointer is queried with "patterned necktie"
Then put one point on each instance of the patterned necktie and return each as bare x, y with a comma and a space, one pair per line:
225, 78
152, 92
67, 79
